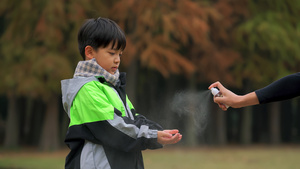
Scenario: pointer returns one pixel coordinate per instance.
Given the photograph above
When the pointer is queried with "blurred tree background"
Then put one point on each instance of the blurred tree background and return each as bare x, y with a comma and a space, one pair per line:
173, 46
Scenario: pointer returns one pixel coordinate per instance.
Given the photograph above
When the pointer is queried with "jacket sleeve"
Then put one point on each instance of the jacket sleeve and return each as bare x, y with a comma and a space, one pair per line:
102, 123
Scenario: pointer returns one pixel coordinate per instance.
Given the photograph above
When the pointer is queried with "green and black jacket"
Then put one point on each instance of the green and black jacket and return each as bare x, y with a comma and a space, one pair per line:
105, 132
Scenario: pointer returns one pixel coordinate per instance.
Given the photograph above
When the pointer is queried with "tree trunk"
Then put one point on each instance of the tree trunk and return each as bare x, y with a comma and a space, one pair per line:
297, 127
2, 127
36, 127
191, 137
246, 126
274, 115
64, 128
27, 118
168, 107
295, 133
132, 81
49, 137
221, 128
12, 123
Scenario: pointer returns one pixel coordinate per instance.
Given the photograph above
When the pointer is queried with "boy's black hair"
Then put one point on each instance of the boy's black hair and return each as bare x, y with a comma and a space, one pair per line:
99, 33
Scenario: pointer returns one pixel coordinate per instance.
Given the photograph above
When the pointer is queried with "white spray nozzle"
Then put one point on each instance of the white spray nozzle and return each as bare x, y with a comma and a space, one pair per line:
214, 91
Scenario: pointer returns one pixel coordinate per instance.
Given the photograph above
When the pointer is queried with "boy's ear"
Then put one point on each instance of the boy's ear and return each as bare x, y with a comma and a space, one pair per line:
89, 52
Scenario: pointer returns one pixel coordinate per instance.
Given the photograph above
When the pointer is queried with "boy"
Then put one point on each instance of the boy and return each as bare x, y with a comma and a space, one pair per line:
105, 132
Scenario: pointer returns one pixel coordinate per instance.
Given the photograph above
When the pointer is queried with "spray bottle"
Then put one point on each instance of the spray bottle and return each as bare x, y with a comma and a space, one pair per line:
217, 93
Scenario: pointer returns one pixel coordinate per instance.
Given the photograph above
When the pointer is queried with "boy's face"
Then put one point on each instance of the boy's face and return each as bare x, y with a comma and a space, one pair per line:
108, 58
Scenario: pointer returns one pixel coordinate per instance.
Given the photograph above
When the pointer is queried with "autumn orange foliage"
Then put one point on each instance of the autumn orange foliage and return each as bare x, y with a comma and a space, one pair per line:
182, 37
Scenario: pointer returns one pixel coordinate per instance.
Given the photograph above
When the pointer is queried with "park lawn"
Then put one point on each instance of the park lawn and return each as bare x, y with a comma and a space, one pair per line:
172, 157
32, 159
258, 157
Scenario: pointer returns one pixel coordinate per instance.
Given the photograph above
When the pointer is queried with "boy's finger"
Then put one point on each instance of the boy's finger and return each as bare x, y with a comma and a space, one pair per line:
174, 138
165, 134
177, 138
172, 131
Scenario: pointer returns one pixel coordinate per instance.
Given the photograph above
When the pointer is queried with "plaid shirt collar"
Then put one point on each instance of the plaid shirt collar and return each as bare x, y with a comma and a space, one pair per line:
91, 68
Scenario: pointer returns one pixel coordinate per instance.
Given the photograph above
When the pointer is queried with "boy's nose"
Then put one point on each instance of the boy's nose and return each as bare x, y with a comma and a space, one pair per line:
117, 59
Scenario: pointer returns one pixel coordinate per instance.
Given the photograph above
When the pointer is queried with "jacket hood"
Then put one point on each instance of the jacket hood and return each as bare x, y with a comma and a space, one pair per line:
69, 89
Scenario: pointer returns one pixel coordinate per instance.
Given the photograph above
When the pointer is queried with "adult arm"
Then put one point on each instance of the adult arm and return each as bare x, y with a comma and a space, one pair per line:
285, 88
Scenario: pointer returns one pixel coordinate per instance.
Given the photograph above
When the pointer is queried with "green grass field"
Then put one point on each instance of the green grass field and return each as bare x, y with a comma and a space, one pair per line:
253, 157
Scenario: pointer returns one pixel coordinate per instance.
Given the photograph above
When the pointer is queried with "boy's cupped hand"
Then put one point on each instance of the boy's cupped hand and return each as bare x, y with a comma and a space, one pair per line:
168, 137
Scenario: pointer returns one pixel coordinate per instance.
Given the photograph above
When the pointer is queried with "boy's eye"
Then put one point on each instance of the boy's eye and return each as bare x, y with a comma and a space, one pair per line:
115, 53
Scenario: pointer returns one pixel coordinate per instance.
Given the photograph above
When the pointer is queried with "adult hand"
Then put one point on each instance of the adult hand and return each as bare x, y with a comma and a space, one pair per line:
229, 98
